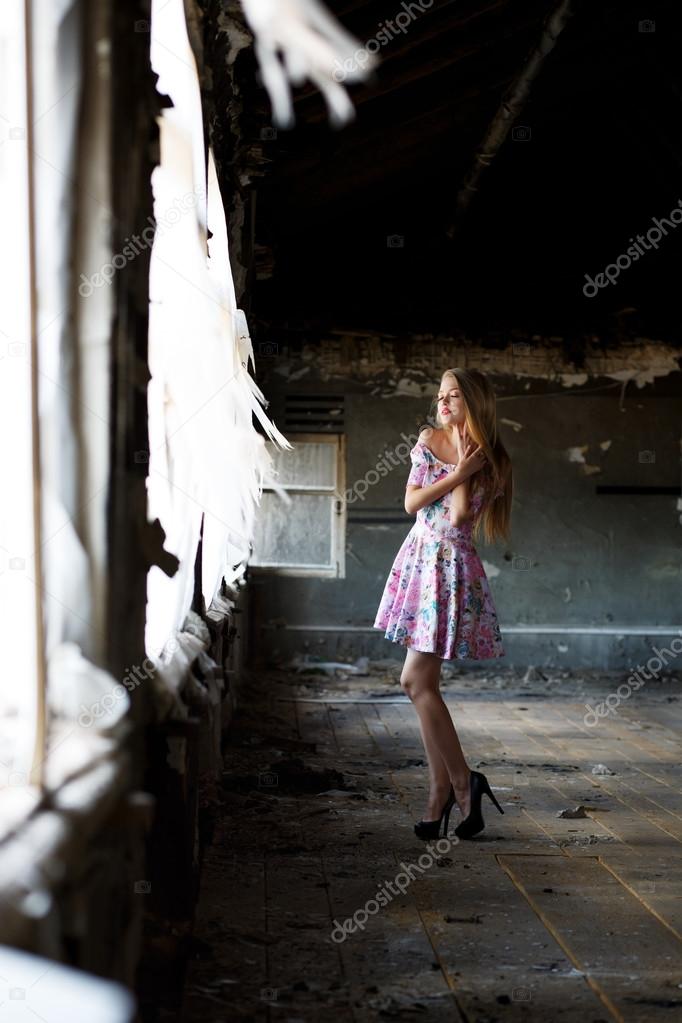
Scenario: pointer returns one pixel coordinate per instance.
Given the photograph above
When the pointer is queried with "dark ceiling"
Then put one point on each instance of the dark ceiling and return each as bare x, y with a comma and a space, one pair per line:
355, 220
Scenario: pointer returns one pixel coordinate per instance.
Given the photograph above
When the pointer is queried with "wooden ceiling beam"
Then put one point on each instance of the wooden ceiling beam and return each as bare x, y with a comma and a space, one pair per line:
510, 108
365, 143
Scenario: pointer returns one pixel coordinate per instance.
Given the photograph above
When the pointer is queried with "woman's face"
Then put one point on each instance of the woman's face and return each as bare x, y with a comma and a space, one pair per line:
450, 402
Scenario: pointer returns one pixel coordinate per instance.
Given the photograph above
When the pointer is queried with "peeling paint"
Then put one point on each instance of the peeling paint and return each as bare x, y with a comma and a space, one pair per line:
297, 374
490, 570
410, 388
573, 379
372, 358
605, 445
513, 423
663, 571
577, 454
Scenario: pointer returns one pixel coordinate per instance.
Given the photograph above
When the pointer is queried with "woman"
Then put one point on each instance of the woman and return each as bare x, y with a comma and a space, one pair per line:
437, 600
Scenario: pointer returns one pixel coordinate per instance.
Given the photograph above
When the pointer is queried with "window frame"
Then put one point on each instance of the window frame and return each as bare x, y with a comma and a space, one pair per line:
338, 522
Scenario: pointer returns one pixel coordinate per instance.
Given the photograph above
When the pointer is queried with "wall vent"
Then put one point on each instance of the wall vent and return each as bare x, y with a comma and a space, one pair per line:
309, 413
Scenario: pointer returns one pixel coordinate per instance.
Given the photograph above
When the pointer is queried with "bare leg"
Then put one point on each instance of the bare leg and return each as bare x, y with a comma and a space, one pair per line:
420, 679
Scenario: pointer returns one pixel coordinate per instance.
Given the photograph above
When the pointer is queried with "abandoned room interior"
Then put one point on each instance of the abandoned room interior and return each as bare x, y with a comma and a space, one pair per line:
275, 275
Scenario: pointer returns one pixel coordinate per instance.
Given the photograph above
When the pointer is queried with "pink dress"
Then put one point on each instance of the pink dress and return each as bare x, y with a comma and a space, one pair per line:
437, 597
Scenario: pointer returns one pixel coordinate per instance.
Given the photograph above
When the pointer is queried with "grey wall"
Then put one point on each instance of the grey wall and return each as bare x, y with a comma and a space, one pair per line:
606, 565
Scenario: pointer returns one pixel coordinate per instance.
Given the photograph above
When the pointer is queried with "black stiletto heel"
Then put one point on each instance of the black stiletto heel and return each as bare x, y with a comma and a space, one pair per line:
471, 825
431, 829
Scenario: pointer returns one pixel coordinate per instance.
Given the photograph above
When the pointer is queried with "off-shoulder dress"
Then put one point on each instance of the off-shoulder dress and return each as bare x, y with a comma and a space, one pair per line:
437, 598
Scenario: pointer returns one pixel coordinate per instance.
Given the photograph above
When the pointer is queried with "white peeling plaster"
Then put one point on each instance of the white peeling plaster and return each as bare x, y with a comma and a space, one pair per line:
562, 648
373, 357
490, 570
605, 445
666, 570
577, 454
513, 423
573, 379
410, 388
297, 374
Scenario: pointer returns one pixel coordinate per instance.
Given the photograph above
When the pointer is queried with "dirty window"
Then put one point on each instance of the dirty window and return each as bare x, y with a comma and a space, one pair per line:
300, 523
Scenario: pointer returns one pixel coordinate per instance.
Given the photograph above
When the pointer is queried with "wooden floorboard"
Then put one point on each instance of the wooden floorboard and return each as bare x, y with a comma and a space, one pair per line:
541, 917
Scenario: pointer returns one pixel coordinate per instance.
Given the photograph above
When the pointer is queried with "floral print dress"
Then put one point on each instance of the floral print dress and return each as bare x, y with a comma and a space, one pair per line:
437, 598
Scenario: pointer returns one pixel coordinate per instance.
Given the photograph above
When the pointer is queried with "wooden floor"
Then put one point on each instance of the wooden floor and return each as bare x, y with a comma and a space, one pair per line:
540, 918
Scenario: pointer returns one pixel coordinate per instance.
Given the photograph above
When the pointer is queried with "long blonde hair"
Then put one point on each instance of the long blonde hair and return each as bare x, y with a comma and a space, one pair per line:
481, 419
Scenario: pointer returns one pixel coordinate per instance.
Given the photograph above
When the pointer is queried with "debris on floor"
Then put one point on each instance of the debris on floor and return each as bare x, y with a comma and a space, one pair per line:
578, 811
314, 821
305, 664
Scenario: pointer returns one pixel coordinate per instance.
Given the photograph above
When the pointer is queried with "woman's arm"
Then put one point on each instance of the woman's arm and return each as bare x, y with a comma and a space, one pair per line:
418, 497
459, 506
470, 462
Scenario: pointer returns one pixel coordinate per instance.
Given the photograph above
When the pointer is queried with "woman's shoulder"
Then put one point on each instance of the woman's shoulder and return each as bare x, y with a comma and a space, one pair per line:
426, 434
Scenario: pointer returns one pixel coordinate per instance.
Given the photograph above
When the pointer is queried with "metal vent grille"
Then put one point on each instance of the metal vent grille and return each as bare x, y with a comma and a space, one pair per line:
307, 413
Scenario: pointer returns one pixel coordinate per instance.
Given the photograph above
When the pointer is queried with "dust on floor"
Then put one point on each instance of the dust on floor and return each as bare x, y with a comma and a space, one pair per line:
318, 901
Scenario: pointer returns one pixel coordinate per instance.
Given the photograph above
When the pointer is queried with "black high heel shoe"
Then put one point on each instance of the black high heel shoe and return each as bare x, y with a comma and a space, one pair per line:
431, 829
471, 825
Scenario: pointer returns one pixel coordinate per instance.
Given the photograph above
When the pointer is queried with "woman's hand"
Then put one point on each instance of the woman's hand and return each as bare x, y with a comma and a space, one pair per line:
461, 439
473, 460
471, 457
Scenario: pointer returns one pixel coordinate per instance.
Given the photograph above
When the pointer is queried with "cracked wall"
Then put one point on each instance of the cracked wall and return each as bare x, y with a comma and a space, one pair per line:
592, 574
